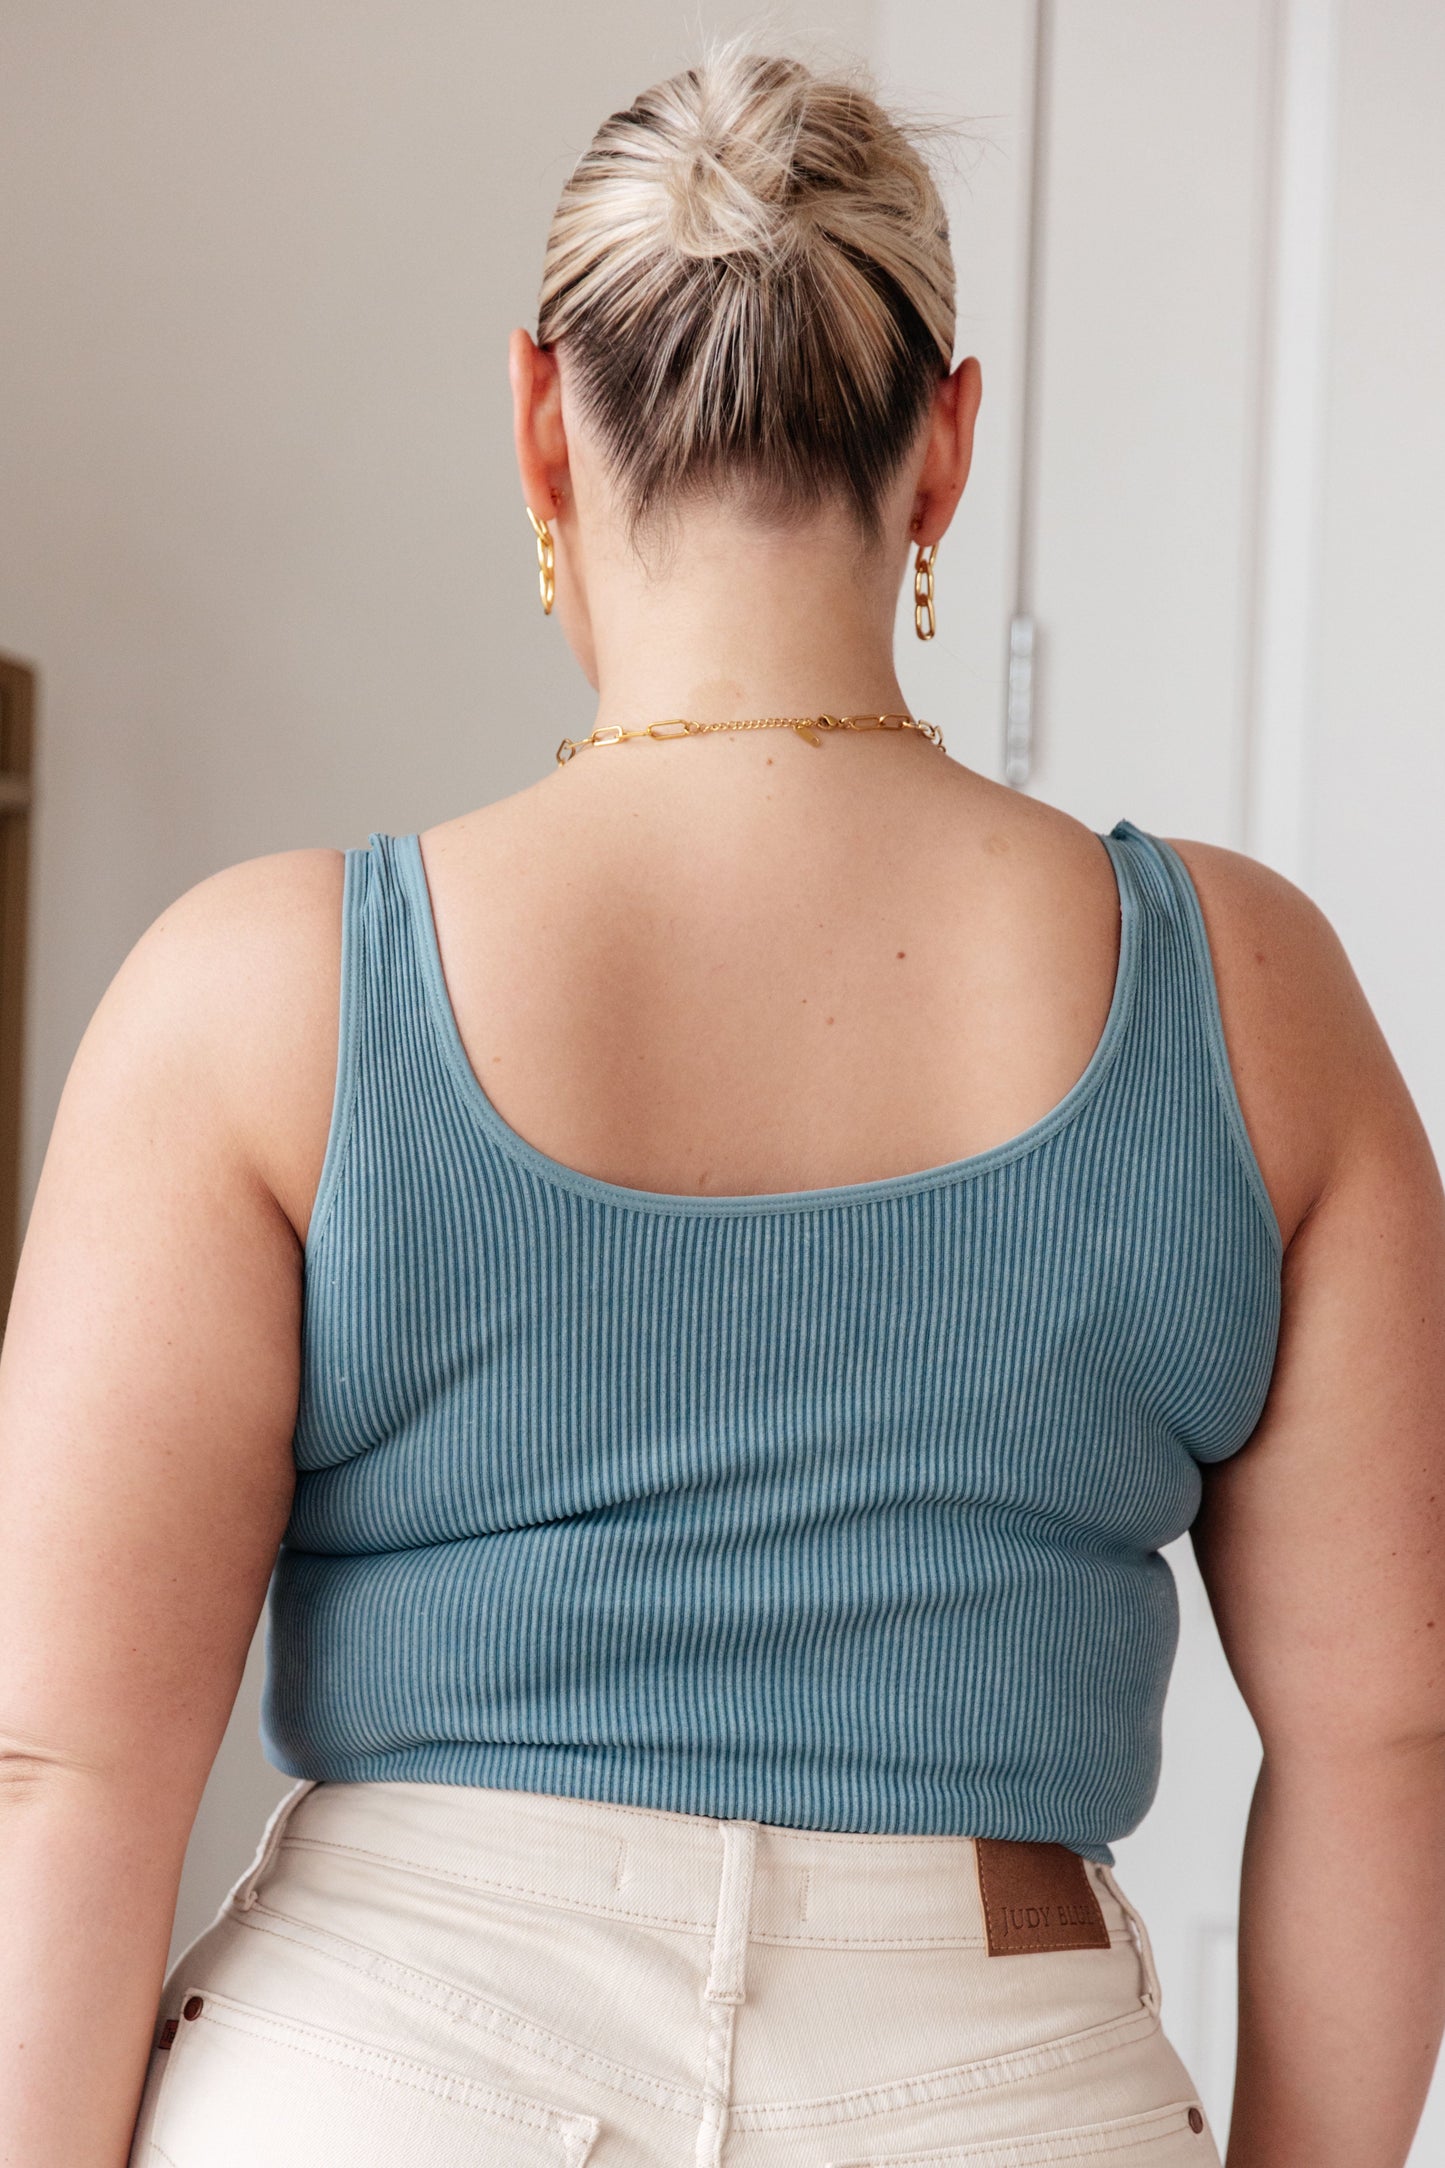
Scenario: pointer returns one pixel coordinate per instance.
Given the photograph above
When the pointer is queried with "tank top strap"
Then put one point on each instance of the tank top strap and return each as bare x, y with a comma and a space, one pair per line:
1177, 1024
385, 1050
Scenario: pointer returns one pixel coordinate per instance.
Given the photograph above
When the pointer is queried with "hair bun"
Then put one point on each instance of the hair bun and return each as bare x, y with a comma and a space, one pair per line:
715, 204
809, 370
731, 181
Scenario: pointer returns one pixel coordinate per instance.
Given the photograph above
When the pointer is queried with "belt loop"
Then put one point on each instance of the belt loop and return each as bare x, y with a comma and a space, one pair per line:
730, 1938
242, 1895
1153, 1994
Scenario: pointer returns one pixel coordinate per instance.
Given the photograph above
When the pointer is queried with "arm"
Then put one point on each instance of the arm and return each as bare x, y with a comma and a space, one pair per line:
148, 1387
1321, 1548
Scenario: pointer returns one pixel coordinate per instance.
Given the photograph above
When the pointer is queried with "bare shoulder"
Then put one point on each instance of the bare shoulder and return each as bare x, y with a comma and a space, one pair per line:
261, 913
1268, 938
232, 994
1315, 1077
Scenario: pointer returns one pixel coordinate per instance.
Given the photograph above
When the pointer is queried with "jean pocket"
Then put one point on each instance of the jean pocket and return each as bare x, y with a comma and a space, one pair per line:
1173, 2137
246, 2086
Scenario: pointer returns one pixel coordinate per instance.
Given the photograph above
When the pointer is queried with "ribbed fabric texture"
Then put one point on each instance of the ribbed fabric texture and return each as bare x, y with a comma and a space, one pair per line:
838, 1508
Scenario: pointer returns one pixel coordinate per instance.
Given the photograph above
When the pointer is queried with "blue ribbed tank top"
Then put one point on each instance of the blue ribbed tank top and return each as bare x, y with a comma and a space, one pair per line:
839, 1508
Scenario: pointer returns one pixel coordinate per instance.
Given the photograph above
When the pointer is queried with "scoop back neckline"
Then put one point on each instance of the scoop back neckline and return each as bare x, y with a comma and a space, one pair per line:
763, 1202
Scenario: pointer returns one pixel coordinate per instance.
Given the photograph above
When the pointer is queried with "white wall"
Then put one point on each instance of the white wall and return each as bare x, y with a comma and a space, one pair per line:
1376, 767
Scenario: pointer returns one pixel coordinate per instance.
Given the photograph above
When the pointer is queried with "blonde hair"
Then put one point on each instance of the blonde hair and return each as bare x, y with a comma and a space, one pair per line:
749, 273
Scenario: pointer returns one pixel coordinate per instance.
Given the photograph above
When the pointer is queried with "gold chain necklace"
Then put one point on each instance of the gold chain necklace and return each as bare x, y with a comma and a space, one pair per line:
806, 726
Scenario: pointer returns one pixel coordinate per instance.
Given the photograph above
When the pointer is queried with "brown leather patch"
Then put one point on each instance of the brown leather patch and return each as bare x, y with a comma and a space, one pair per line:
168, 2032
1037, 1897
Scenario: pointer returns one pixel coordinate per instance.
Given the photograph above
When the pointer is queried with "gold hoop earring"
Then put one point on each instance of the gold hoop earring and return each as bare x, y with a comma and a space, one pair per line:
924, 622
546, 561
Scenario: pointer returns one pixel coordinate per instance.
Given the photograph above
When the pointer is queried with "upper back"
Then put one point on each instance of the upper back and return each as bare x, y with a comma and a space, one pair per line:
751, 1003
632, 1451
763, 1006
723, 998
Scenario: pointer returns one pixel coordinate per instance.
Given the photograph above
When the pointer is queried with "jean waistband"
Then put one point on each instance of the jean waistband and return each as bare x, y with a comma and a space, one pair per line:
659, 1868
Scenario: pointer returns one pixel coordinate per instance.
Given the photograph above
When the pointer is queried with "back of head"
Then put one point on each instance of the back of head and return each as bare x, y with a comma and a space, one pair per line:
748, 274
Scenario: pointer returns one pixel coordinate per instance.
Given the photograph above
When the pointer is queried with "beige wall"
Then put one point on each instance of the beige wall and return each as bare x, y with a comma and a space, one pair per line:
261, 532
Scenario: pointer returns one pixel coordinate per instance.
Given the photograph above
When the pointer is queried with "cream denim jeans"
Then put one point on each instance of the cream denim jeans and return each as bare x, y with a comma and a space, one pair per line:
430, 1975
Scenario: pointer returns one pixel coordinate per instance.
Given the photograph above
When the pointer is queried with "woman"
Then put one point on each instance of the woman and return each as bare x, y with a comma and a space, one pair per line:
781, 1233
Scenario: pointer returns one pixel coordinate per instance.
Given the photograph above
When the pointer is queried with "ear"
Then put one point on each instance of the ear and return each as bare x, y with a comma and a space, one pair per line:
541, 438
948, 454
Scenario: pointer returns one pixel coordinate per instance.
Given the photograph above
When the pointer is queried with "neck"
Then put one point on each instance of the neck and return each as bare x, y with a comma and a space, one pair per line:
739, 622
